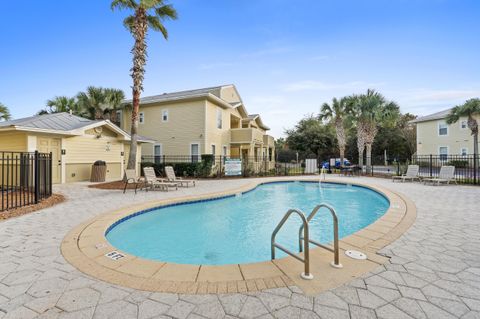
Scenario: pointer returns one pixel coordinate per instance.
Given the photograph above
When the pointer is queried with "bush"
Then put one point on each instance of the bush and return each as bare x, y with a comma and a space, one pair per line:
201, 168
458, 163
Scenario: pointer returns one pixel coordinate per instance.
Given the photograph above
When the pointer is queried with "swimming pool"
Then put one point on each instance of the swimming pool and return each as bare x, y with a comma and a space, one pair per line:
237, 229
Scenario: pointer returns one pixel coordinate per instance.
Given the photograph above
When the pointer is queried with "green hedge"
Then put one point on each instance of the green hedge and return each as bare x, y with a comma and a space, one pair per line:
202, 168
458, 163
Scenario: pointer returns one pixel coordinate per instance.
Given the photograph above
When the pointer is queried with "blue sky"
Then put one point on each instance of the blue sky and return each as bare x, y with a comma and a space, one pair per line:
285, 57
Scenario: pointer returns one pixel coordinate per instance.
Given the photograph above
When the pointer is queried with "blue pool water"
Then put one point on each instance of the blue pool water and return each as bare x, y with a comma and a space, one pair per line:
237, 229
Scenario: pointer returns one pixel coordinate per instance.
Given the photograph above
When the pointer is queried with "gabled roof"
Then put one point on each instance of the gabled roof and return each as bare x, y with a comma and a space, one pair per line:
55, 121
63, 124
214, 90
435, 116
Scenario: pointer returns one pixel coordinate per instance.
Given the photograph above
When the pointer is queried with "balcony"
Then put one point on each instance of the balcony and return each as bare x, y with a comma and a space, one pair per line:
268, 140
246, 136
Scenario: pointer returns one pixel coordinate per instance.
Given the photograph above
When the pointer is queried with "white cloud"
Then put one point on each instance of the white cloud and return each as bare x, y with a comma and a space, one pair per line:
309, 85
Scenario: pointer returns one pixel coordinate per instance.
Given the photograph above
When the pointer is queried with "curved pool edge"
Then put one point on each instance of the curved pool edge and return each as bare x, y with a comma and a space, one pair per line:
85, 247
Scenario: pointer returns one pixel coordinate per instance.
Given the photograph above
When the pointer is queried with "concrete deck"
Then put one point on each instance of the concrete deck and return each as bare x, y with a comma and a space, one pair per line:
434, 271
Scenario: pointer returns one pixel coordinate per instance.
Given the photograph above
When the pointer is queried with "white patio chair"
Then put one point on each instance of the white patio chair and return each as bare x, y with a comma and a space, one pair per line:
446, 175
173, 179
154, 183
411, 175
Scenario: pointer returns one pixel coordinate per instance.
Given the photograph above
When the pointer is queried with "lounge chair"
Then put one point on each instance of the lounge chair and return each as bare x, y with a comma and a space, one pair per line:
153, 182
130, 177
411, 175
446, 175
173, 179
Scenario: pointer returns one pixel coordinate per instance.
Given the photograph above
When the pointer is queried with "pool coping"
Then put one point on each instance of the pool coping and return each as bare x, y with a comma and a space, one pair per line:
85, 247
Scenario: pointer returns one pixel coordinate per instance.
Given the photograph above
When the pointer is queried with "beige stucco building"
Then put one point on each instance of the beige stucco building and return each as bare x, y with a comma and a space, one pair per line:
75, 143
204, 121
436, 137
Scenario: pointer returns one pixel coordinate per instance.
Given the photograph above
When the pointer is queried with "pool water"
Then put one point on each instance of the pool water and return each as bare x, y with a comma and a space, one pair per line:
238, 229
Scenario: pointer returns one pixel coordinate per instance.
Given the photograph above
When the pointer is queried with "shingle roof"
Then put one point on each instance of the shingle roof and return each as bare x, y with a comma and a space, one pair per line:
435, 116
179, 95
55, 121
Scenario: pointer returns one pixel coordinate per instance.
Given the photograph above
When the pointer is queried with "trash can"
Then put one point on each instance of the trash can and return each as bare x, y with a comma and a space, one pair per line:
99, 172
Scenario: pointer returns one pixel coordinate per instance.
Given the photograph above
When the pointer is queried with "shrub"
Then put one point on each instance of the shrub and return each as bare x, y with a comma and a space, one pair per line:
458, 163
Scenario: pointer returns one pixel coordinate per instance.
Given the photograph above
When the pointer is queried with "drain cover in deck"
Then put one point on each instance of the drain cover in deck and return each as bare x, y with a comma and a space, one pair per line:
355, 254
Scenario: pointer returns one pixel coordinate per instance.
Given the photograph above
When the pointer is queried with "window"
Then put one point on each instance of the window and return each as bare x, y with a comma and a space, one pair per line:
442, 129
464, 151
213, 149
225, 150
141, 118
443, 152
195, 152
219, 118
463, 124
118, 118
157, 153
164, 115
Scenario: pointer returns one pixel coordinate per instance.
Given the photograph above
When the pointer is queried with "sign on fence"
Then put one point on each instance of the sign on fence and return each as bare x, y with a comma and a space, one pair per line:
311, 166
233, 167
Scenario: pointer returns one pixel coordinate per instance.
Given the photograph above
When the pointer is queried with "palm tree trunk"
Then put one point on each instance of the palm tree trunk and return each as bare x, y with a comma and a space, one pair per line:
369, 157
361, 149
138, 70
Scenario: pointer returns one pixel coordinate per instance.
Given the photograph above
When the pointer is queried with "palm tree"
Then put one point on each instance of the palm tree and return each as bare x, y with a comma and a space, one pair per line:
336, 112
371, 111
147, 14
4, 113
114, 98
62, 104
93, 102
468, 110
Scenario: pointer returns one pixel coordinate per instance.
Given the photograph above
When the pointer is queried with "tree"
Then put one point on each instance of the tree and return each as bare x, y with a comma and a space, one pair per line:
62, 104
311, 137
114, 98
336, 113
147, 14
4, 113
372, 111
469, 109
93, 102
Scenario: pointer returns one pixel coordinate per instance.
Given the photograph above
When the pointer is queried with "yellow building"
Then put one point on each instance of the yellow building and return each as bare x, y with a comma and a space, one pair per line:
204, 121
75, 143
436, 137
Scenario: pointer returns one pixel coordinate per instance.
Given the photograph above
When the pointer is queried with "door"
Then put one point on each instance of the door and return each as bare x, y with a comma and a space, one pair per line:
54, 145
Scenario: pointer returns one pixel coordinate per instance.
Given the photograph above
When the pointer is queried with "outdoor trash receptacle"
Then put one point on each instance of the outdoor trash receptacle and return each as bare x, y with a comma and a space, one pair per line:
99, 172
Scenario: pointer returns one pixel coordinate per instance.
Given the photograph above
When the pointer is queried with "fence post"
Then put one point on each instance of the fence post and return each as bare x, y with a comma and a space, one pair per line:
398, 167
220, 172
36, 178
431, 165
475, 167
50, 178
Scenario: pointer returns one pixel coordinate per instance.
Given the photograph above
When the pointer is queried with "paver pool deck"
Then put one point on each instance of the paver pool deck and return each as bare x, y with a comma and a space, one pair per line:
434, 270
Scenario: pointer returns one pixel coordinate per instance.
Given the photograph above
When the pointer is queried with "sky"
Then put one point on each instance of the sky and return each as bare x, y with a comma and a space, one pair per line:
286, 58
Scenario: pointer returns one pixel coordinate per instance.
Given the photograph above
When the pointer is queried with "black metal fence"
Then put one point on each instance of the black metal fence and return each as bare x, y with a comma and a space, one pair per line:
467, 168
25, 178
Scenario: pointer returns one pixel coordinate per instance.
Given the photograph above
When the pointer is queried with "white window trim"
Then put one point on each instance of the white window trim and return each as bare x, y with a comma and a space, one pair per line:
448, 150
224, 148
161, 152
466, 124
466, 151
161, 148
140, 116
195, 143
168, 116
219, 111
119, 115
438, 128
211, 149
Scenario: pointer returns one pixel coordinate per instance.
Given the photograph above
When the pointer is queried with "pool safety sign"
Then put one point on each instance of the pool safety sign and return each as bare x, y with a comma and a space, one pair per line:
233, 167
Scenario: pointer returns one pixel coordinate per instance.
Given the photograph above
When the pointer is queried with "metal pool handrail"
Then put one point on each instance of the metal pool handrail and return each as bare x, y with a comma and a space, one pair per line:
306, 259
336, 262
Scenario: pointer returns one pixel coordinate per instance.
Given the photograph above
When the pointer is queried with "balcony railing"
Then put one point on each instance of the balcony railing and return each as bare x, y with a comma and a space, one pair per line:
246, 135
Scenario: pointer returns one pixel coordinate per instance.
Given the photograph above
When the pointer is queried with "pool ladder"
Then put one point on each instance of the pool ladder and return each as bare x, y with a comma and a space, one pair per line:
304, 240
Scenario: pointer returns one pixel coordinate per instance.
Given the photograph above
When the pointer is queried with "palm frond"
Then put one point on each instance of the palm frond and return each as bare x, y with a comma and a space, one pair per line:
4, 113
167, 12
155, 24
129, 23
123, 4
